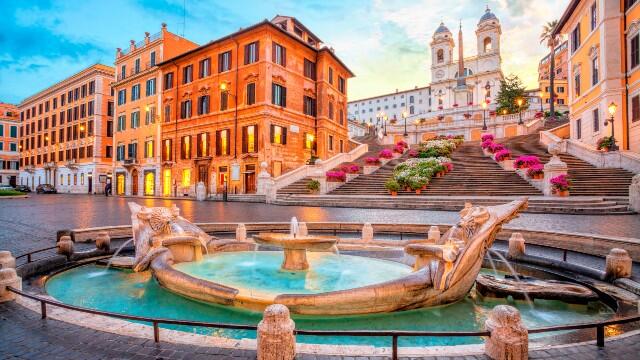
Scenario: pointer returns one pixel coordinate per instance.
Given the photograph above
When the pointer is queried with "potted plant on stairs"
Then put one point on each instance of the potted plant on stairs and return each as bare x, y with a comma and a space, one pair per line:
560, 185
606, 143
313, 186
392, 186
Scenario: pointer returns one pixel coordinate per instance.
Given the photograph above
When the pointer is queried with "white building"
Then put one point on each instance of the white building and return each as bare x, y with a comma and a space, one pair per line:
356, 129
416, 101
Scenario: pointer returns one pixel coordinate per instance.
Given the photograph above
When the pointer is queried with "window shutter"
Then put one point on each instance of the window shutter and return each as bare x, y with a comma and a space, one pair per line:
271, 134
246, 53
228, 149
245, 146
273, 52
284, 135
284, 56
284, 96
219, 63
255, 138
218, 149
208, 151
273, 95
257, 51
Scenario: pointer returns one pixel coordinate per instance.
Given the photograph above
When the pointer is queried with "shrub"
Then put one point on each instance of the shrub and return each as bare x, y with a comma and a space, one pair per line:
413, 153
526, 161
486, 144
535, 170
313, 185
386, 154
336, 176
402, 143
560, 183
502, 155
398, 149
10, 193
354, 169
606, 142
448, 166
495, 147
392, 185
372, 160
486, 137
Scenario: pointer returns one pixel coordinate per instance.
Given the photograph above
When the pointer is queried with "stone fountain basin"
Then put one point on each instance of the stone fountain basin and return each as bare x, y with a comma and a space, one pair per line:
286, 241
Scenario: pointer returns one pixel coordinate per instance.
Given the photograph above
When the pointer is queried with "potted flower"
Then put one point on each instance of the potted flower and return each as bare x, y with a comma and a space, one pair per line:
448, 167
413, 153
455, 105
536, 172
313, 186
403, 144
470, 103
386, 154
398, 150
392, 186
525, 161
495, 147
606, 143
487, 137
372, 161
560, 185
336, 176
417, 183
502, 155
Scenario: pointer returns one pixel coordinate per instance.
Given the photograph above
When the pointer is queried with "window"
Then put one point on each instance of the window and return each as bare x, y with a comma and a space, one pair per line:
224, 61
278, 95
635, 108
187, 74
411, 110
309, 106
440, 55
60, 136
341, 116
109, 128
559, 101
251, 53
596, 120
167, 113
222, 142
330, 143
342, 84
488, 45
13, 131
152, 58
309, 69
203, 104
594, 16
185, 109
579, 129
83, 93
122, 122
186, 177
135, 119
279, 54
109, 108
575, 38
635, 51
330, 75
594, 71
224, 100
560, 89
251, 94
278, 135
135, 92
185, 147
90, 108
629, 3
576, 84
202, 145
132, 151
122, 97
308, 141
205, 68
120, 152
55, 102
168, 81
136, 66
167, 150
151, 87
148, 149
150, 115
250, 139
330, 110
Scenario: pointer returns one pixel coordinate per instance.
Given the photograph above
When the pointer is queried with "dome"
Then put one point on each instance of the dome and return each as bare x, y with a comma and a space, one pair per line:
442, 29
488, 15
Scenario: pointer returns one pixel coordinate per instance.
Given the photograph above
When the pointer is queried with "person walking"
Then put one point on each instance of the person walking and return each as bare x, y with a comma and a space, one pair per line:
107, 189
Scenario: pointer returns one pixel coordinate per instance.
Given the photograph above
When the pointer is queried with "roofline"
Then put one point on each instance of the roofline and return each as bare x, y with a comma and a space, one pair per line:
95, 67
388, 94
565, 16
247, 29
301, 24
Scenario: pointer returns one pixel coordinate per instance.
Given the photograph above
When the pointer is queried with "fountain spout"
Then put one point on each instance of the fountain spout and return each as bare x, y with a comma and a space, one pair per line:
295, 227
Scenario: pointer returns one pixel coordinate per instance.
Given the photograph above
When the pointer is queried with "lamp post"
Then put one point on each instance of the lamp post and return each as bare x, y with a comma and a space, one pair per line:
404, 117
384, 124
612, 111
484, 115
417, 122
519, 102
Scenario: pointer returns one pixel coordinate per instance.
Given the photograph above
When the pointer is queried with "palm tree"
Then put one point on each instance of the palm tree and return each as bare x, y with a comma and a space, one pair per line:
548, 37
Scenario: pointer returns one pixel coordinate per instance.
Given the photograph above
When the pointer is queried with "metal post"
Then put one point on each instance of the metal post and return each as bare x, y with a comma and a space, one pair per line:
600, 336
43, 309
156, 332
394, 347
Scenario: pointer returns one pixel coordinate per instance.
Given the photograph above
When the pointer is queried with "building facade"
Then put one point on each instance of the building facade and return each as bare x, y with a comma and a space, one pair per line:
604, 68
65, 136
269, 93
137, 95
560, 83
9, 146
416, 101
357, 129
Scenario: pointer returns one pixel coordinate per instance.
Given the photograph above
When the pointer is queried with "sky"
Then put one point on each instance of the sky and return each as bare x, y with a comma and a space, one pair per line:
384, 42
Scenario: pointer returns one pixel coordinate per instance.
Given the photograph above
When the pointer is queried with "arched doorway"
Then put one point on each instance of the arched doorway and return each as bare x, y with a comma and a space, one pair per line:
120, 179
149, 183
134, 182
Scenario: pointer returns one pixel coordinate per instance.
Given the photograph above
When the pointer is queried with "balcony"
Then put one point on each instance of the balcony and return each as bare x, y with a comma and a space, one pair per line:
72, 164
50, 165
30, 168
130, 162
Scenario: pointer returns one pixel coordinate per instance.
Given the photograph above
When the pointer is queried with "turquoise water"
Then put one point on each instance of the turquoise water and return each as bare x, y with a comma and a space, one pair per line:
259, 273
139, 294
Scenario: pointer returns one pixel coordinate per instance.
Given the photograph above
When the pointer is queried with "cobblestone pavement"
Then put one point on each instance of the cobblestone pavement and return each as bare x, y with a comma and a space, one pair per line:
26, 223
23, 335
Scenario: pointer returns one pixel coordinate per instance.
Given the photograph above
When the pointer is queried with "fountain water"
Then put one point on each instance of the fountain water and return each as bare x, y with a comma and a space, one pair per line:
513, 272
115, 254
294, 230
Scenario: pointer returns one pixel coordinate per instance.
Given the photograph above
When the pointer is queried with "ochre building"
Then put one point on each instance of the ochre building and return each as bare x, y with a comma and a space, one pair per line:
9, 147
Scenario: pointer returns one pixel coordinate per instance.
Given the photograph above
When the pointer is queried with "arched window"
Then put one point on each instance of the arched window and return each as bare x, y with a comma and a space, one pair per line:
488, 45
411, 110
440, 55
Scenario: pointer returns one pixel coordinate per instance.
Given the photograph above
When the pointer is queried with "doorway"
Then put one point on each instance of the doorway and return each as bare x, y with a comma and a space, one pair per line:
250, 179
203, 175
149, 183
89, 184
120, 179
134, 182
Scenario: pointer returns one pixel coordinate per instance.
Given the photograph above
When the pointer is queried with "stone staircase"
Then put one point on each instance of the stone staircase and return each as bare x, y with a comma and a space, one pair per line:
371, 184
588, 180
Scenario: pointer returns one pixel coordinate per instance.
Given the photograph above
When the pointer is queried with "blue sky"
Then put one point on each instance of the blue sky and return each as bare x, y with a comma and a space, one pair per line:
385, 42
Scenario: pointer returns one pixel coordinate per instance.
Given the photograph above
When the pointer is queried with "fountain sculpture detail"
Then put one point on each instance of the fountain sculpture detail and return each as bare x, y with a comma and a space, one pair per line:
445, 270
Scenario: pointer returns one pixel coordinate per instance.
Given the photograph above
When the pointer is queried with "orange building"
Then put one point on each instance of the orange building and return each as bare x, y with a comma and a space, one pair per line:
136, 140
65, 133
9, 153
560, 82
269, 92
604, 69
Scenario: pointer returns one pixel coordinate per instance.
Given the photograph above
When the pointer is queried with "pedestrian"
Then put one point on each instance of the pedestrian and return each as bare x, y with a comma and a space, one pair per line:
107, 189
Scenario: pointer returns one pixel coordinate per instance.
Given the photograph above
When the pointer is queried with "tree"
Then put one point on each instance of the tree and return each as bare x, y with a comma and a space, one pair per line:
511, 89
547, 37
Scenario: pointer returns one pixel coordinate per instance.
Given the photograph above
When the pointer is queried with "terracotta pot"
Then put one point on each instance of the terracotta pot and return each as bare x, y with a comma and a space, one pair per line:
539, 177
439, 174
564, 193
418, 192
424, 187
606, 149
394, 193
407, 188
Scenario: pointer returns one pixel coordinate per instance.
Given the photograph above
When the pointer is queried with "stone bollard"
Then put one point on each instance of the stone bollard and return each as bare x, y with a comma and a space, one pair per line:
618, 264
516, 246
509, 338
103, 241
553, 168
276, 340
8, 277
241, 232
302, 229
7, 261
367, 232
434, 234
634, 194
65, 246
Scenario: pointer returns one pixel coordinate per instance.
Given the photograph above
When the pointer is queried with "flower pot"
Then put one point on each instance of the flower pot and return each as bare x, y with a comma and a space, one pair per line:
407, 189
418, 191
563, 193
393, 193
424, 187
439, 174
538, 177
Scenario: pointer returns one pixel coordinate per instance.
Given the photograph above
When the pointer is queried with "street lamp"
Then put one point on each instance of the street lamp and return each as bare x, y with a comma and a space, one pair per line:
484, 115
384, 124
519, 102
417, 122
612, 111
404, 116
